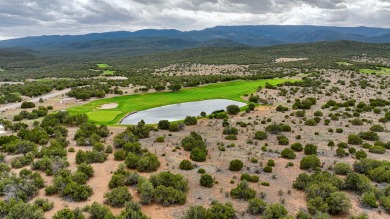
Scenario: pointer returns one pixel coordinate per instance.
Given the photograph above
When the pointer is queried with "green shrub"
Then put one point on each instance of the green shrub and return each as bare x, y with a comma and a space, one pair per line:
342, 168
310, 162
377, 150
186, 165
271, 163
242, 191
160, 139
117, 197
260, 135
232, 109
338, 203
368, 199
360, 154
190, 120
297, 146
310, 149
206, 180
236, 165
267, 169
256, 206
355, 140
288, 153
274, 211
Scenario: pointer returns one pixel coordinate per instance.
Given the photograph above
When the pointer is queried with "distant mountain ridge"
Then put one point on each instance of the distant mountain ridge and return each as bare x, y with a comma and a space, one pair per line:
151, 40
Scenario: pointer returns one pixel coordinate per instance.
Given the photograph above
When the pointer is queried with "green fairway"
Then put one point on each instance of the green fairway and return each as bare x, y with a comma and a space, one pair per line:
103, 65
233, 90
108, 72
373, 71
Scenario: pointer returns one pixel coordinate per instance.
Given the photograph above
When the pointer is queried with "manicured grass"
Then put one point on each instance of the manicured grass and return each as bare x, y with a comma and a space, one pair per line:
103, 116
102, 65
372, 71
108, 72
233, 90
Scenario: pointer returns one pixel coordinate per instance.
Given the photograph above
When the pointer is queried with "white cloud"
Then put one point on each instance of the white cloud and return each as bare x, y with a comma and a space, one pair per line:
42, 17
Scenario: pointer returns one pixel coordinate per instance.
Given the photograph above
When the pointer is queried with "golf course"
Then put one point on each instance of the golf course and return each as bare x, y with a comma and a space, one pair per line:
233, 90
373, 71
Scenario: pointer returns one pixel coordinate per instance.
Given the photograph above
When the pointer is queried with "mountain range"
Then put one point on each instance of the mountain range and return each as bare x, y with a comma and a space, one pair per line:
151, 40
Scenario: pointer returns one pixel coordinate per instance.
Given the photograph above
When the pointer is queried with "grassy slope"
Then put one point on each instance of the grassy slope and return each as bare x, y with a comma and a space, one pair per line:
229, 90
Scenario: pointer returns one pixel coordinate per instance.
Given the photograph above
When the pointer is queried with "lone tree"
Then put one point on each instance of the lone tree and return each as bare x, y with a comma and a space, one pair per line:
233, 109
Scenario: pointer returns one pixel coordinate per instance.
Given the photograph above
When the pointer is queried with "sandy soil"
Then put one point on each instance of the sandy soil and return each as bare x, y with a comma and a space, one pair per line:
281, 60
108, 106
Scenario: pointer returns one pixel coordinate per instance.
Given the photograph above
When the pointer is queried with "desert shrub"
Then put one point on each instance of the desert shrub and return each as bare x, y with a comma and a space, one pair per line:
369, 136
186, 165
66, 213
310, 162
267, 169
288, 153
342, 168
368, 199
120, 154
198, 154
117, 197
310, 122
281, 108
26, 105
147, 162
43, 204
355, 140
90, 157
377, 150
276, 129
232, 109
160, 139
206, 180
190, 120
145, 189
297, 146
168, 196
217, 210
271, 163
242, 191
360, 154
260, 135
338, 203
340, 152
236, 165
310, 149
377, 128
283, 140
174, 127
230, 130
98, 211
256, 206
194, 140
274, 211
163, 124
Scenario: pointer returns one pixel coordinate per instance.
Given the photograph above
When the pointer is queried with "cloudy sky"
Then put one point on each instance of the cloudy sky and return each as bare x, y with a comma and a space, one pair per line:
20, 18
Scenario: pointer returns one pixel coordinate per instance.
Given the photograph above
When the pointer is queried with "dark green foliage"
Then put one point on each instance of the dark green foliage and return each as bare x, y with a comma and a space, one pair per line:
90, 157
66, 213
377, 149
360, 154
281, 108
89, 134
310, 149
230, 130
194, 140
242, 191
169, 196
206, 180
288, 153
260, 135
117, 197
342, 168
232, 109
297, 147
377, 128
198, 154
275, 211
310, 162
43, 204
256, 206
276, 129
355, 140
338, 203
283, 140
370, 136
236, 165
186, 165
163, 124
132, 210
98, 211
190, 120
216, 211
267, 169
271, 163
368, 199
26, 105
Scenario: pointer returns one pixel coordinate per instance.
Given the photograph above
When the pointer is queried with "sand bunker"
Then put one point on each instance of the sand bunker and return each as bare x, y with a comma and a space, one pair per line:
281, 60
108, 106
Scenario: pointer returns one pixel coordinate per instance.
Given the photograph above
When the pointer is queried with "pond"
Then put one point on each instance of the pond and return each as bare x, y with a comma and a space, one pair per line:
179, 111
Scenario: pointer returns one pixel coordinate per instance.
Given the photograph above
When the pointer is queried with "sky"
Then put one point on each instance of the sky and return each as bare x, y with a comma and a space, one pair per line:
20, 18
